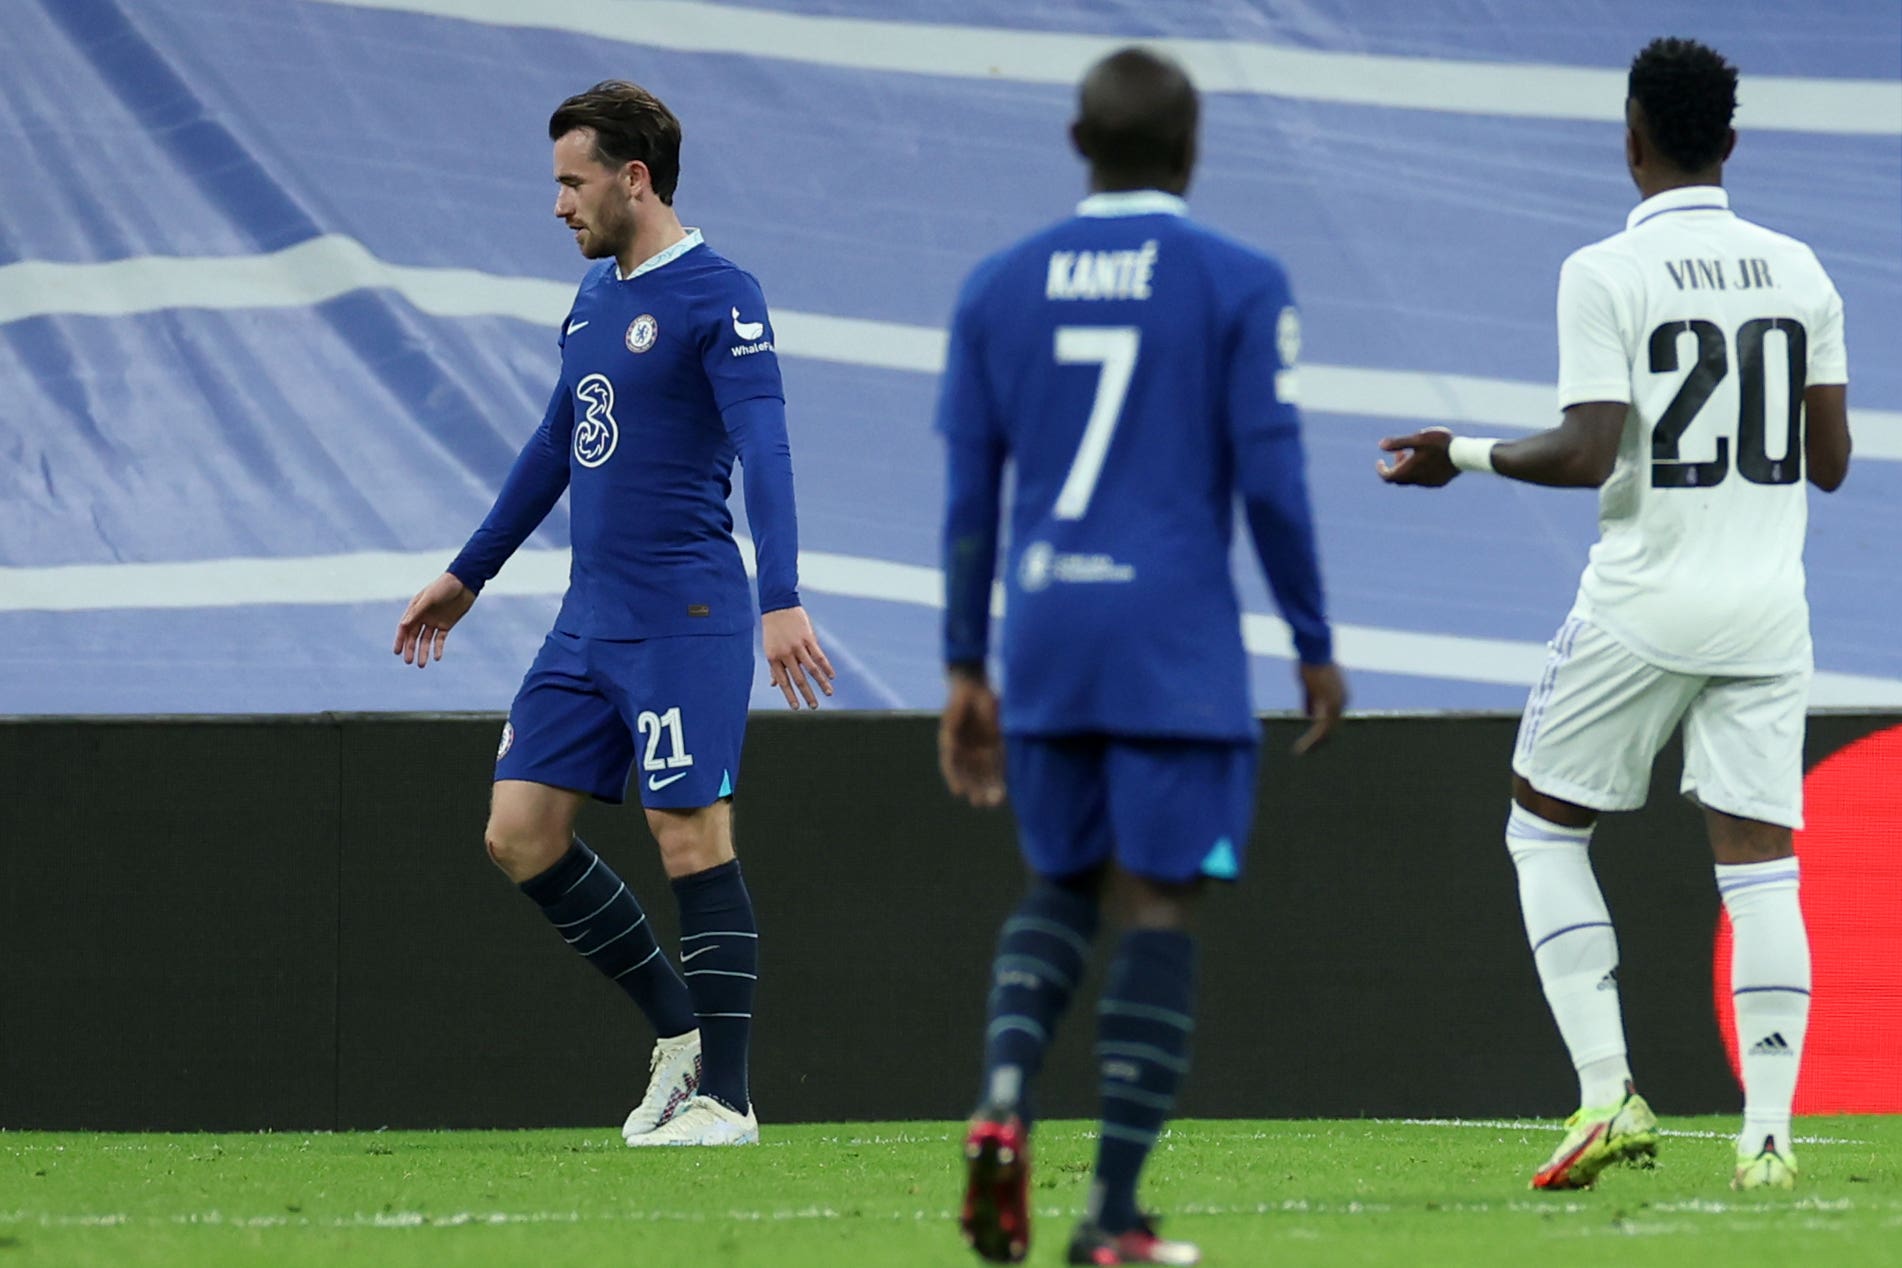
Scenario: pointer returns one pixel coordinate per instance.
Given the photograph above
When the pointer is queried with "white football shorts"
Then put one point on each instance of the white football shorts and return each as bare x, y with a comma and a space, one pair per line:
1599, 714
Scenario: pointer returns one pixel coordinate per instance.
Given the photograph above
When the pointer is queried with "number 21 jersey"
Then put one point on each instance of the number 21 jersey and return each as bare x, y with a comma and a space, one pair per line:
1708, 328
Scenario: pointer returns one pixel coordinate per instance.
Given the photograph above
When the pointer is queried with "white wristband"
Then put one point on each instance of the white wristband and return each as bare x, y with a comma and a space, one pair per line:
1472, 453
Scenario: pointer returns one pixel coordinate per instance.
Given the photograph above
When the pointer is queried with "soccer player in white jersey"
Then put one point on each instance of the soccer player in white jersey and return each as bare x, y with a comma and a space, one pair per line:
1702, 378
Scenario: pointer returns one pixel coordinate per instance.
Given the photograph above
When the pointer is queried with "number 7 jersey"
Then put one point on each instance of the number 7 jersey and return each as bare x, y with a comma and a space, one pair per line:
1135, 370
1708, 328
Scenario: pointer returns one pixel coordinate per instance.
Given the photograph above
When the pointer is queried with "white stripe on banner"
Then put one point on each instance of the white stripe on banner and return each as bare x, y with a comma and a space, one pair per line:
393, 576
1526, 90
334, 265
312, 272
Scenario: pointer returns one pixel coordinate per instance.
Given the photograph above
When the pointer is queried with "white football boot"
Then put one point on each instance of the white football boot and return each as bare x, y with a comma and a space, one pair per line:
703, 1122
673, 1076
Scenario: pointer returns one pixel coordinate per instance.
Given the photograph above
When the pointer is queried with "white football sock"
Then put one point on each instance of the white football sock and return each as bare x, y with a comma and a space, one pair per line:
1574, 948
1770, 990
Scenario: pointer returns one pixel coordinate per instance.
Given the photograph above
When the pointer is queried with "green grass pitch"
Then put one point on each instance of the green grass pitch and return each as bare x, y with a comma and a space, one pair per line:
1285, 1193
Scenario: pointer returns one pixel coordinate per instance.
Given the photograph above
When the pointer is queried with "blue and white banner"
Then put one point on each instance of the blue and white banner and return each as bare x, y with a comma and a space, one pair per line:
278, 285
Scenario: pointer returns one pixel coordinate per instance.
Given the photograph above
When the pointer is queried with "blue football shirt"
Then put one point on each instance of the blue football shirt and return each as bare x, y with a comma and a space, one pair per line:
1135, 370
667, 375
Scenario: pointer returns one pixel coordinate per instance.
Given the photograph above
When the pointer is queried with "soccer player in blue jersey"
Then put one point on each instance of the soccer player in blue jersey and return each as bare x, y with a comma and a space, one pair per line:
1137, 372
667, 373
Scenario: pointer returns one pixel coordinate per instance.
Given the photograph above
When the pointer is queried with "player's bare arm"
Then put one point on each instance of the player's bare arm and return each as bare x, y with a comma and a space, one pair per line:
424, 629
1323, 700
971, 740
1577, 454
794, 655
1826, 439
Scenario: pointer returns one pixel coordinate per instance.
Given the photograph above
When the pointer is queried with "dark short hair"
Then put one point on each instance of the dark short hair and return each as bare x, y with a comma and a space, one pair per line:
1688, 93
1137, 111
630, 125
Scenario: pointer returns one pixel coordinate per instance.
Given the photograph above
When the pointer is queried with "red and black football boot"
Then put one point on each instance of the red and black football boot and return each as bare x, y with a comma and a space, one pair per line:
996, 1215
1140, 1245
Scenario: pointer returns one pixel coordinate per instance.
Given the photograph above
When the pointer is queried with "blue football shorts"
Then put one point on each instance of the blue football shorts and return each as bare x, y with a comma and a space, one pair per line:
1166, 810
670, 710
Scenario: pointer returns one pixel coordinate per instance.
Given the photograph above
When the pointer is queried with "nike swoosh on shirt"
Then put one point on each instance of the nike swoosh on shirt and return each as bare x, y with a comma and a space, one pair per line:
688, 955
748, 330
575, 325
655, 783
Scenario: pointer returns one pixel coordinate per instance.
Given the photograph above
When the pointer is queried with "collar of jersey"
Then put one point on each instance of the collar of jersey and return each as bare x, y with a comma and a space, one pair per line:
1132, 202
672, 253
1690, 198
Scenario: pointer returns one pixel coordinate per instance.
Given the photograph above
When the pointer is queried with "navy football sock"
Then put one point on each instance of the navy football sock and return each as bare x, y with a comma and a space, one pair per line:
596, 914
719, 954
1142, 1051
1041, 953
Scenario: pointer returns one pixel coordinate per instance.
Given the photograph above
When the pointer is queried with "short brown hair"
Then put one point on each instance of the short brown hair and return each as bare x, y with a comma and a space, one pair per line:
630, 125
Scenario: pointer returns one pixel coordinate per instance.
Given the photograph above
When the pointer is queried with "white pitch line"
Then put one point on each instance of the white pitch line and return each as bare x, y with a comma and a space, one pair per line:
1855, 107
324, 268
393, 576
1507, 1124
401, 1221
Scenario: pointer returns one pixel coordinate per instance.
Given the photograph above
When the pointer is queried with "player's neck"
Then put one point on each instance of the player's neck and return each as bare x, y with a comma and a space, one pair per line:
1112, 181
657, 230
1651, 184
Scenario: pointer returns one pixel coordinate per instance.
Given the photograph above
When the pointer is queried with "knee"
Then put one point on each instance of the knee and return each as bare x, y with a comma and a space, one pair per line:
1553, 810
523, 850
1160, 905
1763, 843
690, 842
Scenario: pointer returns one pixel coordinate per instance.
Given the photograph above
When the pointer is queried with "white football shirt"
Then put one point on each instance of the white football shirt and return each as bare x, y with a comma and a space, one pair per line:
1708, 327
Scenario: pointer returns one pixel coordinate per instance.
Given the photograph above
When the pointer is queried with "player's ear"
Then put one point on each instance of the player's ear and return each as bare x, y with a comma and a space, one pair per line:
1634, 139
635, 178
1730, 143
1076, 138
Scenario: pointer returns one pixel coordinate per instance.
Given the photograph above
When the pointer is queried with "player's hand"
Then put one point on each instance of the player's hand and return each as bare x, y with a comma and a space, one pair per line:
1423, 458
971, 743
1323, 696
426, 622
792, 650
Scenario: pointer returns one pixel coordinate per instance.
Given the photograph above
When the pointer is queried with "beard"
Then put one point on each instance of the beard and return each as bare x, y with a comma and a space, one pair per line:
606, 234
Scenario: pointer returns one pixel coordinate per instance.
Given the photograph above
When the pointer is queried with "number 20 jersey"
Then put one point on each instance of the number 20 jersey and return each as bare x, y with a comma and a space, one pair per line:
1708, 327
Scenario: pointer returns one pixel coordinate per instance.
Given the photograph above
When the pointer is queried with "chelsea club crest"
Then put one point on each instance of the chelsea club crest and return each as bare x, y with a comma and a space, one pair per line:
641, 333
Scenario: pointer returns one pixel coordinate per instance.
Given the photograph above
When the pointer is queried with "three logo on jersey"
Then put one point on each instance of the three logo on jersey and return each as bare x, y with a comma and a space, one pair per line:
597, 432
